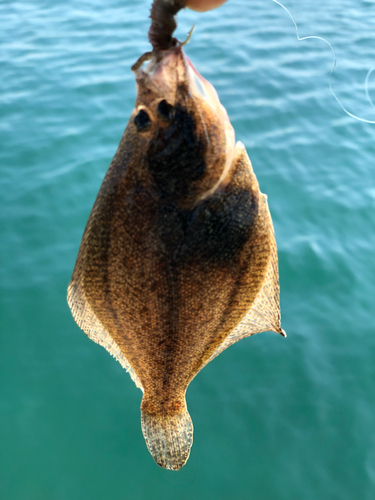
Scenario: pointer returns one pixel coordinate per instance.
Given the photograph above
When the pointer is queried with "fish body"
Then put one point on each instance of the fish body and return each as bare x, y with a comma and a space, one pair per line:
178, 259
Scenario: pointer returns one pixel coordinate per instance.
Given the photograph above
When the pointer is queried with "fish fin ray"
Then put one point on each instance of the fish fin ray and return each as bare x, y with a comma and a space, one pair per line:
264, 314
90, 324
168, 438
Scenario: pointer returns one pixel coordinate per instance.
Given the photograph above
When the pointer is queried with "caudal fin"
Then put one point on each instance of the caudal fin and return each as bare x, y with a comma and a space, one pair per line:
168, 438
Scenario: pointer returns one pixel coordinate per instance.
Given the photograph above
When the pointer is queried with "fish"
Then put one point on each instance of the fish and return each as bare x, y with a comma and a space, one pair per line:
178, 259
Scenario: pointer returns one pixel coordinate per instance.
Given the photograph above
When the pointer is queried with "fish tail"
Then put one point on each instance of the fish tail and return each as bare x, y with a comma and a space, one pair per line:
168, 437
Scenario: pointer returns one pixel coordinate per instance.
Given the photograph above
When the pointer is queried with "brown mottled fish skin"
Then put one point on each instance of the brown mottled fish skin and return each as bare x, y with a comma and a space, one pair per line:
165, 271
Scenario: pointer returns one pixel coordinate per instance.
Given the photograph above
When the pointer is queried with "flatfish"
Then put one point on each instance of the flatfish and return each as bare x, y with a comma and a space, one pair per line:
178, 259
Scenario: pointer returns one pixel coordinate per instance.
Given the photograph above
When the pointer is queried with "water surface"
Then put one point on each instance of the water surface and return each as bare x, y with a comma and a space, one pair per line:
275, 419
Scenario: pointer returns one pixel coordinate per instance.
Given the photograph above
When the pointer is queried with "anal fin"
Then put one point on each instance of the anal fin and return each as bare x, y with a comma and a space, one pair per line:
90, 324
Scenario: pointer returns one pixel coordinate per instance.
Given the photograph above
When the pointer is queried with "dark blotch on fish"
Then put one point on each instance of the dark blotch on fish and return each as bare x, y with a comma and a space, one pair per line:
176, 156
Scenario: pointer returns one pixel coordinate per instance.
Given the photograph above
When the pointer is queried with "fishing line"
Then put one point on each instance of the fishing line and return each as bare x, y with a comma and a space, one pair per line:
333, 68
366, 87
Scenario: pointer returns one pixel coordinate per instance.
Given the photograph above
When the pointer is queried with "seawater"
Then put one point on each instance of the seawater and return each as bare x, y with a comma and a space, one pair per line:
275, 418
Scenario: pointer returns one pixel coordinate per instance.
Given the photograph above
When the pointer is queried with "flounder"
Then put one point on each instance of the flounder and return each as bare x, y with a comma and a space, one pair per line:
178, 259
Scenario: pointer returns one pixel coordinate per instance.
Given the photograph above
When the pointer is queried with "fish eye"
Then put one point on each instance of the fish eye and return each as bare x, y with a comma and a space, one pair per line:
142, 121
165, 110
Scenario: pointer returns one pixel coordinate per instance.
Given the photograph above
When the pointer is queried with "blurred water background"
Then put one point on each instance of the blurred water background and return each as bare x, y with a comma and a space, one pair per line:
275, 419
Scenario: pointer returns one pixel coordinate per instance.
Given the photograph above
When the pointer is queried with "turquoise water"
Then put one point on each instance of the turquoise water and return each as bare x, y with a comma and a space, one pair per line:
275, 419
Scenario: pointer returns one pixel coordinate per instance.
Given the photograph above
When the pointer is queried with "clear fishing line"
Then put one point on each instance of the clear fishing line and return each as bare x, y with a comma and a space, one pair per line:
366, 87
333, 68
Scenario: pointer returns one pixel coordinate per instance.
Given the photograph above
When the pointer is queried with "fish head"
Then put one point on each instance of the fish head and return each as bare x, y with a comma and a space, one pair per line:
184, 131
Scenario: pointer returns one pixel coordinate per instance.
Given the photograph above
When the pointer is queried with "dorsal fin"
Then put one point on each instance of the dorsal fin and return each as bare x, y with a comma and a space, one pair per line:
264, 314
